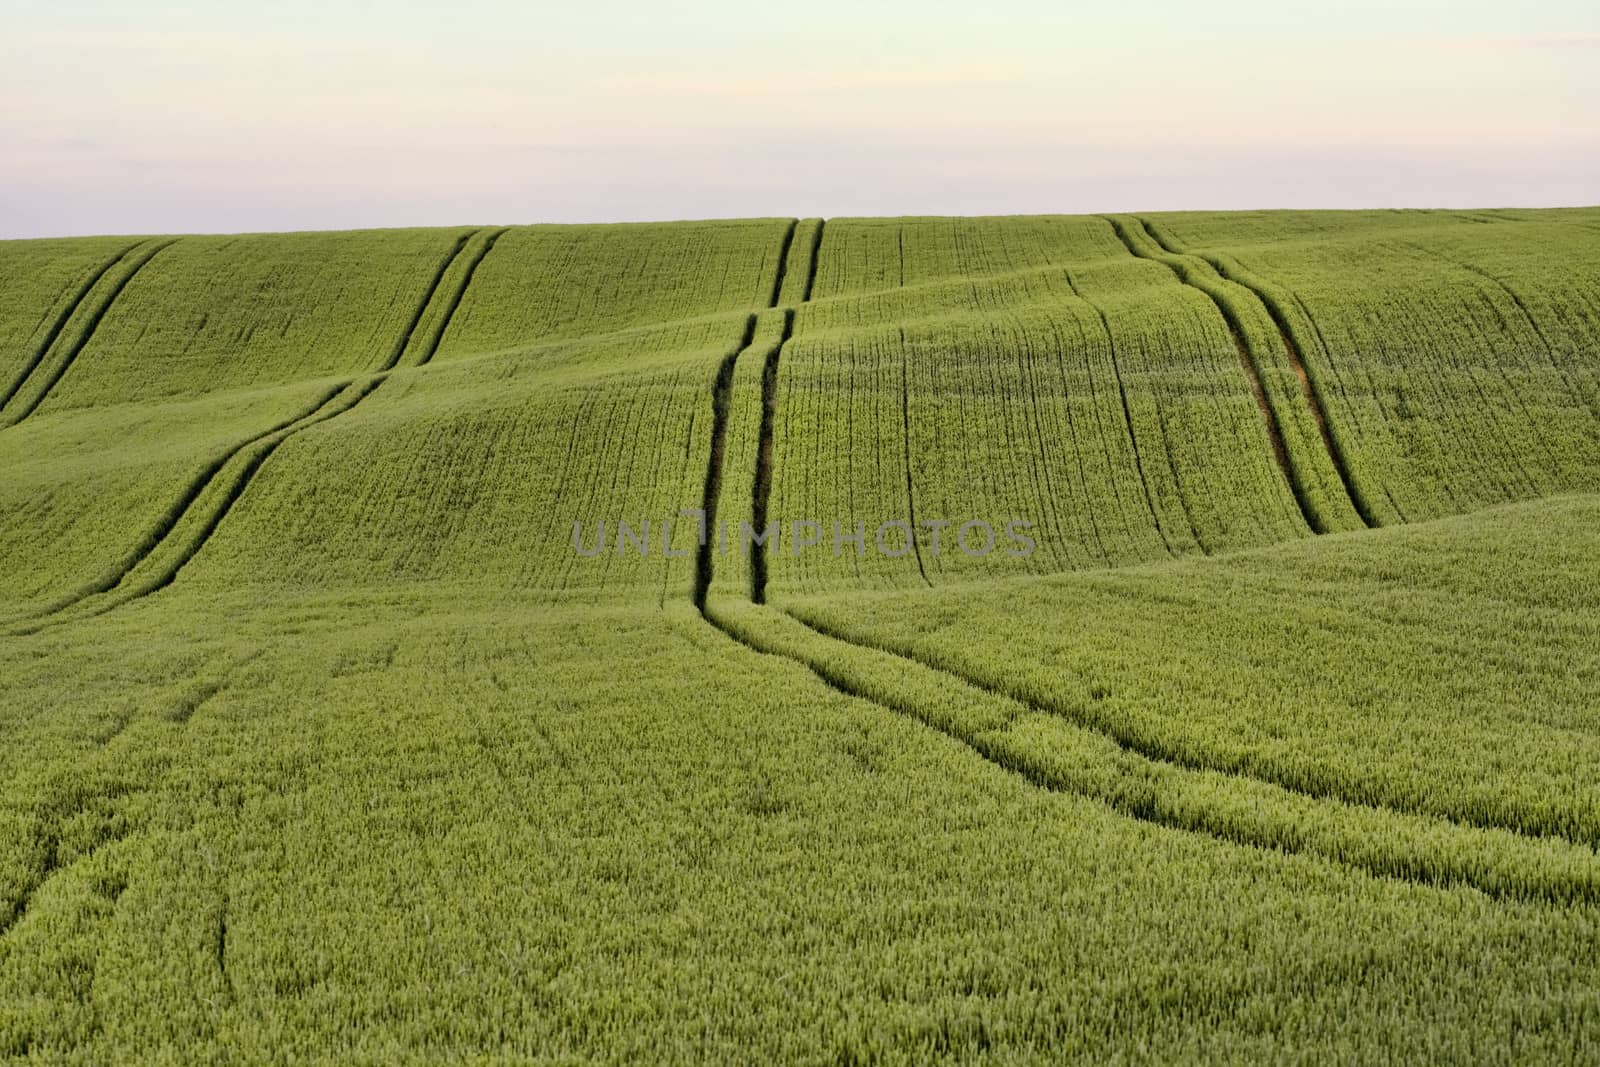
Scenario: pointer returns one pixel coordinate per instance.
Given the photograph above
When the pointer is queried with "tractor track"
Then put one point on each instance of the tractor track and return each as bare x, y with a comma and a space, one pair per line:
53, 377
256, 451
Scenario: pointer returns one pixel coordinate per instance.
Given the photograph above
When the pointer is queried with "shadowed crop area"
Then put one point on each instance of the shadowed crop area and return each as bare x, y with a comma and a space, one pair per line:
1079, 638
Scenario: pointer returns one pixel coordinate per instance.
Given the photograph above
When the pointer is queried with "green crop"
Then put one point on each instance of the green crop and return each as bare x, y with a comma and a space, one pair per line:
372, 696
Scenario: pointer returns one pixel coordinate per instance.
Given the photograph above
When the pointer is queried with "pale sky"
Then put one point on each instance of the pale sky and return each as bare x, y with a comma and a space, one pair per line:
139, 116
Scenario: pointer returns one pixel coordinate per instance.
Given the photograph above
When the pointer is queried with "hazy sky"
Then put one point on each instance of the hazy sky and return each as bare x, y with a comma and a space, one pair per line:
161, 115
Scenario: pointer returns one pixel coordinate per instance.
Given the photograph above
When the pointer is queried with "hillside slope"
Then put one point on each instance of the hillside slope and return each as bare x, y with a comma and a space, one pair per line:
343, 723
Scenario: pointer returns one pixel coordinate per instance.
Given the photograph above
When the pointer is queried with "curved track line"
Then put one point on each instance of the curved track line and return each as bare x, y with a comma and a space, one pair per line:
1234, 272
816, 255
761, 491
459, 294
98, 315
118, 596
66, 313
242, 482
417, 312
1308, 385
761, 488
1252, 372
721, 394
170, 518
327, 408
783, 263
1156, 753
1168, 800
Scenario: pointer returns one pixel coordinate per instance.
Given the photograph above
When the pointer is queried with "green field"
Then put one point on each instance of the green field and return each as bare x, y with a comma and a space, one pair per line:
371, 694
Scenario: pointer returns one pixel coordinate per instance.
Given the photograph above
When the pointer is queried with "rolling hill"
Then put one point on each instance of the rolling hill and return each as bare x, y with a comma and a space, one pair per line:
1070, 638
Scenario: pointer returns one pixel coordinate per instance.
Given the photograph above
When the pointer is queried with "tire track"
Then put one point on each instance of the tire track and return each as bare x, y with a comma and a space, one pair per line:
62, 318
404, 340
816, 257
1353, 409
783, 263
1130, 743
1308, 386
255, 452
761, 496
1418, 850
460, 293
761, 491
52, 378
1127, 415
721, 392
164, 526
1252, 373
